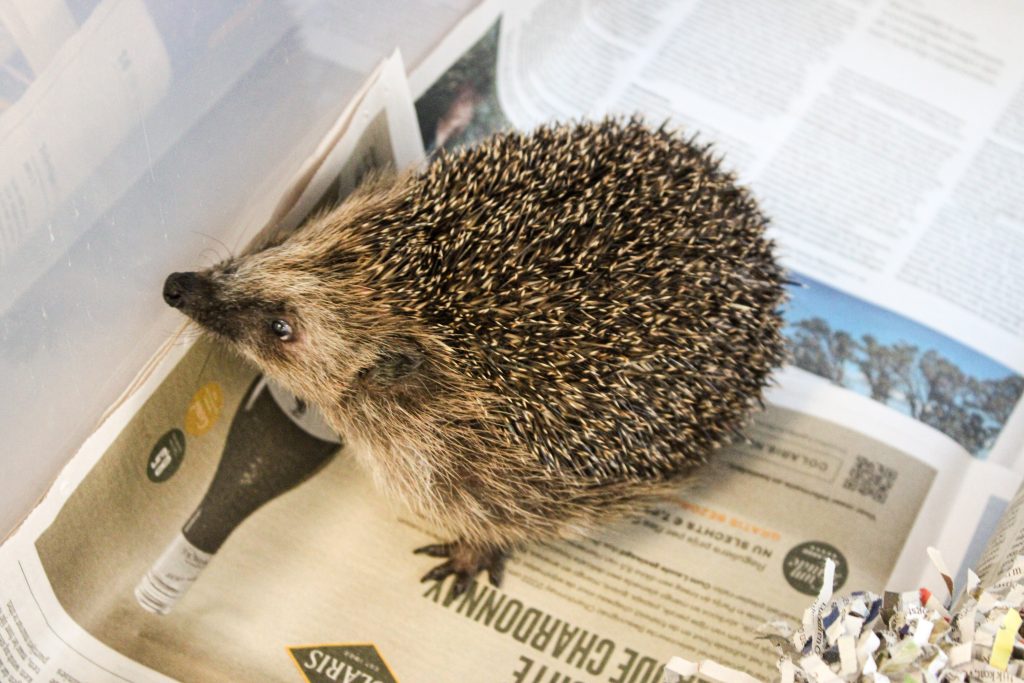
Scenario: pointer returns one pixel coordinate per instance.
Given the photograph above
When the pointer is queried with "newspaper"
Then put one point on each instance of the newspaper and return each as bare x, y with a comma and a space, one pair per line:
147, 561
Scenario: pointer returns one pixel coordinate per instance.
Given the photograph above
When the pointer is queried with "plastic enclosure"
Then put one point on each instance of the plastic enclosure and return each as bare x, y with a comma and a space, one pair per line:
139, 137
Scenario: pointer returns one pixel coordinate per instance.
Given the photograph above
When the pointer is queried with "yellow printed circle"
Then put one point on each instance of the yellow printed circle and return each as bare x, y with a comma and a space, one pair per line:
204, 409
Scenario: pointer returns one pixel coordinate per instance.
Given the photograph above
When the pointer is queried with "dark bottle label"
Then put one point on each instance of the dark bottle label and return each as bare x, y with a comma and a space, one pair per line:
266, 454
275, 443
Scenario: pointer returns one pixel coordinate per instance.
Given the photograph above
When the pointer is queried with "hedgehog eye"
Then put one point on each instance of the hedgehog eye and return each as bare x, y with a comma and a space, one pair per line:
282, 329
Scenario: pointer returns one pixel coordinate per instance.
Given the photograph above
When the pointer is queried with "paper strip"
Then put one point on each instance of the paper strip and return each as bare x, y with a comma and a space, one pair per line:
1005, 639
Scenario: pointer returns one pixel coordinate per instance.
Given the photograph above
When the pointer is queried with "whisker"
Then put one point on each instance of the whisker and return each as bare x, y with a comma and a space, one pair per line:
209, 354
241, 236
216, 257
230, 253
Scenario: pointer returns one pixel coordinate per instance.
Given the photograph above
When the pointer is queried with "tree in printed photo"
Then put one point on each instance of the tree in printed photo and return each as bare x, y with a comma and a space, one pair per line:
919, 382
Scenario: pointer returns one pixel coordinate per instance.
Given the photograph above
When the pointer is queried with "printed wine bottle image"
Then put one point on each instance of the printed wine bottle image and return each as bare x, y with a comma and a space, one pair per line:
274, 444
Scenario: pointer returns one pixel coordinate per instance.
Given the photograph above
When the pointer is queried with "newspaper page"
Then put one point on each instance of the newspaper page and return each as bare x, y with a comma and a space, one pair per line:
883, 138
324, 580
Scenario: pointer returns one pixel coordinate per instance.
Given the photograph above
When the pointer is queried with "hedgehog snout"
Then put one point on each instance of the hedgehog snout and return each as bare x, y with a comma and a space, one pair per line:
196, 295
211, 302
180, 288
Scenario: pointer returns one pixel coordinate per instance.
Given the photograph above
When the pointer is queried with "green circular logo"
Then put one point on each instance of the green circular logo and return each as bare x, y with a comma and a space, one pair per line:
166, 456
804, 566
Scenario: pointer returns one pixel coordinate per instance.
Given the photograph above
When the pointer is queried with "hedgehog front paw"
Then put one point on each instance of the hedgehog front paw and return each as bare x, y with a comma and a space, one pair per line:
465, 562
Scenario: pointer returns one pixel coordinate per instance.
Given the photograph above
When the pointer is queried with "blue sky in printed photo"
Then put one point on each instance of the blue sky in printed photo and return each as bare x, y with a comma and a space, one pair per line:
858, 317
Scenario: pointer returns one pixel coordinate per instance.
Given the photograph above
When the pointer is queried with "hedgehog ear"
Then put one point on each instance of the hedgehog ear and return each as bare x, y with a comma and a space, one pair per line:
395, 363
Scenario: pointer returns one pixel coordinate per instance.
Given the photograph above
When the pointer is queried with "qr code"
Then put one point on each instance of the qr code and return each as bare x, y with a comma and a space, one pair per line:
871, 479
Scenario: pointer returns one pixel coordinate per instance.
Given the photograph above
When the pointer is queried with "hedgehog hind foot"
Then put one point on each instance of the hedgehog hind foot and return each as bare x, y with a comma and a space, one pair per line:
464, 562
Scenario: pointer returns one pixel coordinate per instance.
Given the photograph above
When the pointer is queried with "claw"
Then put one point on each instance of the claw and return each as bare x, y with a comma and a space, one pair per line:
496, 572
436, 550
439, 572
461, 585
464, 563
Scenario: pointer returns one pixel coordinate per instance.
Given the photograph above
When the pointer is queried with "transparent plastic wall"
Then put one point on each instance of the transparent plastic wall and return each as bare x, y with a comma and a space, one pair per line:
139, 137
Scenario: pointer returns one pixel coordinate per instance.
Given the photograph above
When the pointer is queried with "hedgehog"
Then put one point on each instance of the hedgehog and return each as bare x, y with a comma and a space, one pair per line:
525, 339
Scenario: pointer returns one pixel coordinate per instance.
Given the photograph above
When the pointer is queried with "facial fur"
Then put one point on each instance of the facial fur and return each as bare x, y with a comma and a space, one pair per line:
313, 286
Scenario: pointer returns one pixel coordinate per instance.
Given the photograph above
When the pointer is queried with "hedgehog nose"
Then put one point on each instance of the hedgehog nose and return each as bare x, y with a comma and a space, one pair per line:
178, 286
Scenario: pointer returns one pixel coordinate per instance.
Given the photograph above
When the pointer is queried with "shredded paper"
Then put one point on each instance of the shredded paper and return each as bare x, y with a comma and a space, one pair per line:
901, 637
